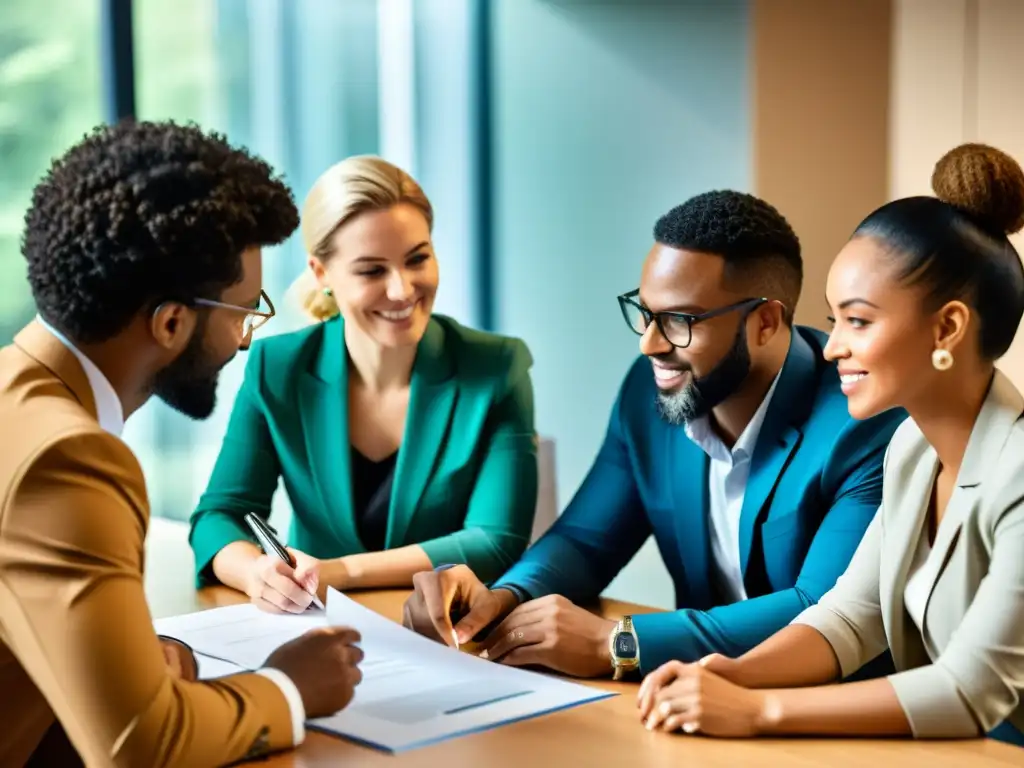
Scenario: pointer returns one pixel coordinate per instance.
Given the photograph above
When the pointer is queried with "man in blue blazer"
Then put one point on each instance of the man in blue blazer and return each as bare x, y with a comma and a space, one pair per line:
730, 441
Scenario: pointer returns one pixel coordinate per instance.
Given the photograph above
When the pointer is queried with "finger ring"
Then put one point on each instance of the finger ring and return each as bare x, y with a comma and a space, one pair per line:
512, 635
519, 635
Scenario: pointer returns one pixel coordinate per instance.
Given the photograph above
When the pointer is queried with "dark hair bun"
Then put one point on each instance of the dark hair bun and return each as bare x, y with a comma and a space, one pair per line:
983, 181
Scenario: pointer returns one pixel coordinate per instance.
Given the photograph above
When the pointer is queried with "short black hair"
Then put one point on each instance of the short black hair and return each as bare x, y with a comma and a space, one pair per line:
760, 248
144, 212
956, 244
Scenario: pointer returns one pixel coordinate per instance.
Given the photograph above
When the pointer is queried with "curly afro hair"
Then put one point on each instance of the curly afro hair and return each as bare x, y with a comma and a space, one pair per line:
760, 249
140, 213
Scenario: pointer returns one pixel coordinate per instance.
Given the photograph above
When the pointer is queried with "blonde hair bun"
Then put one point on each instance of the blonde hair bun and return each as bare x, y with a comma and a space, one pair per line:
985, 182
311, 299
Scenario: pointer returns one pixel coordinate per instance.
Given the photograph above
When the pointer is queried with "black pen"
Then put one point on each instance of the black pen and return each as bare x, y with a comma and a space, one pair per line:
265, 535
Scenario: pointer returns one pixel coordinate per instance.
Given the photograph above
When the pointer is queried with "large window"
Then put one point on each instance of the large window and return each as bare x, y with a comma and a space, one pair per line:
182, 72
303, 83
181, 59
50, 96
293, 80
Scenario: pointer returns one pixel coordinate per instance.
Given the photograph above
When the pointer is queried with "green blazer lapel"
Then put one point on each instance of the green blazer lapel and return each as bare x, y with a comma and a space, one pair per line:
793, 397
432, 397
323, 408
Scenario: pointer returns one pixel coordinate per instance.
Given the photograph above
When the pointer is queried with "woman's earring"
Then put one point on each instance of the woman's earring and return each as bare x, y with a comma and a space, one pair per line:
328, 292
942, 359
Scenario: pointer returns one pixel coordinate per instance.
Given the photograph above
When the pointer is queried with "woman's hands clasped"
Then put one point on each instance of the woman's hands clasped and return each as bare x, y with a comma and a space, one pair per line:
695, 699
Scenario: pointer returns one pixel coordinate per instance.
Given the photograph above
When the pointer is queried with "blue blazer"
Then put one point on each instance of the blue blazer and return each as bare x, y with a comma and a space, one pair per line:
815, 483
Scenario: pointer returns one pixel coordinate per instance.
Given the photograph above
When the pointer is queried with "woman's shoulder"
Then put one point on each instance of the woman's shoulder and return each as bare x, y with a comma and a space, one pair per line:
907, 439
993, 462
483, 353
1005, 478
284, 353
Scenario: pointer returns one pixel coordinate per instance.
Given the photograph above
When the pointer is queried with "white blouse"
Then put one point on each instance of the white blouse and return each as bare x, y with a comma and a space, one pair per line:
922, 574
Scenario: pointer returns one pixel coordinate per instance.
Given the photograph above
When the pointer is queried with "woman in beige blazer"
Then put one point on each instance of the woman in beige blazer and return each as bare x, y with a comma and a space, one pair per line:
926, 295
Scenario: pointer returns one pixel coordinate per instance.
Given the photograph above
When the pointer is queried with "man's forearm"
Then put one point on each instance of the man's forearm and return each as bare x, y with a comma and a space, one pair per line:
555, 565
731, 630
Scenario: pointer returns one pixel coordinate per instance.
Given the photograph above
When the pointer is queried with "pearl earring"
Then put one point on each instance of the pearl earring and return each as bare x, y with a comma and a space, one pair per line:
942, 359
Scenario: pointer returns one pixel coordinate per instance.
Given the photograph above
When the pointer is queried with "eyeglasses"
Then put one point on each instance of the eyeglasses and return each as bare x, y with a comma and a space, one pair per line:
676, 327
254, 318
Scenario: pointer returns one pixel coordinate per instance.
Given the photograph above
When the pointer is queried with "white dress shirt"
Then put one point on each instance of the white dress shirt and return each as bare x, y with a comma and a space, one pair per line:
110, 414
109, 411
728, 471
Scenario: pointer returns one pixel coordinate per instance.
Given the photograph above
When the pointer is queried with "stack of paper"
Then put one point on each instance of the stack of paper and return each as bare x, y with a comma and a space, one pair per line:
414, 691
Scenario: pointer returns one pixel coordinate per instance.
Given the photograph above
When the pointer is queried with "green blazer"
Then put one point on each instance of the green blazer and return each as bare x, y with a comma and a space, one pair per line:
465, 485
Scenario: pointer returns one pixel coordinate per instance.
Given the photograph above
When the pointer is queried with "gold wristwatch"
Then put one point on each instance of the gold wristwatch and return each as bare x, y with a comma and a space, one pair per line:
624, 648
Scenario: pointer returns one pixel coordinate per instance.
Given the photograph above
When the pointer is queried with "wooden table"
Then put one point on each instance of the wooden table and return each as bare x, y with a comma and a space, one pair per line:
608, 732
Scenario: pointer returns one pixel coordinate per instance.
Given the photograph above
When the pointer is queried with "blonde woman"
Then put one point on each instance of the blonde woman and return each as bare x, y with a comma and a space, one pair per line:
405, 440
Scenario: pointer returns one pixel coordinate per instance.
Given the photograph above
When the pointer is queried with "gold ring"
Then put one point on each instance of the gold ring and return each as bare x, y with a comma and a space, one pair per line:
519, 634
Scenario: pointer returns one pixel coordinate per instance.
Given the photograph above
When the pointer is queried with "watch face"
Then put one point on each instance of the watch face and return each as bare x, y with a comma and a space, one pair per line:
625, 645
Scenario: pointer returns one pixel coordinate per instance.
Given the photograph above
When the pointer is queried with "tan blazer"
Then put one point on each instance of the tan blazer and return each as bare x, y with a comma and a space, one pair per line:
76, 636
964, 674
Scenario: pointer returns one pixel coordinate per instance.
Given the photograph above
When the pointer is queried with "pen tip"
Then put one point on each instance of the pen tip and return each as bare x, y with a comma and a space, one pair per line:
455, 639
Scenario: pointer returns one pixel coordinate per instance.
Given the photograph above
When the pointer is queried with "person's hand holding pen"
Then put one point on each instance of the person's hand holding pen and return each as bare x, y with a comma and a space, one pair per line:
277, 587
282, 580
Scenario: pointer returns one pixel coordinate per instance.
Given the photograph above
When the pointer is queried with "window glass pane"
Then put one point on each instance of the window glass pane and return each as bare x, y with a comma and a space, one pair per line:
176, 61
293, 80
182, 74
50, 95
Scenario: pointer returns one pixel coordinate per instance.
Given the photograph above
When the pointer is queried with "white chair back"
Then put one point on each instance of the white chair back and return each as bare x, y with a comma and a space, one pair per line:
547, 491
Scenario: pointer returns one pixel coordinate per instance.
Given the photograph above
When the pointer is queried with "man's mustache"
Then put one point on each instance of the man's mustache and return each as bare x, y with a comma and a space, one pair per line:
672, 364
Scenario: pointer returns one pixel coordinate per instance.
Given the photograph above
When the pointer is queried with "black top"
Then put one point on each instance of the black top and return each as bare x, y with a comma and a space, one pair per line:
371, 497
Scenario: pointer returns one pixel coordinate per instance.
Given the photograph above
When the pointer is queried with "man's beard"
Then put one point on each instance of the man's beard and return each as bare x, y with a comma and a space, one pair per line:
700, 396
189, 384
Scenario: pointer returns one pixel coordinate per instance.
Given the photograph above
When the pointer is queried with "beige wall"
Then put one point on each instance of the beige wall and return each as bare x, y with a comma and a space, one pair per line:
956, 77
821, 76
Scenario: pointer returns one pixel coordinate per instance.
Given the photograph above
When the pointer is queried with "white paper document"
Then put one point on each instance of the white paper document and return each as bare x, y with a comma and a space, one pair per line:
211, 668
414, 691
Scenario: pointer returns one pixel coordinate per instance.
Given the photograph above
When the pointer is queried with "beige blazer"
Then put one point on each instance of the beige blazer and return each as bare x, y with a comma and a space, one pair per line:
963, 674
77, 645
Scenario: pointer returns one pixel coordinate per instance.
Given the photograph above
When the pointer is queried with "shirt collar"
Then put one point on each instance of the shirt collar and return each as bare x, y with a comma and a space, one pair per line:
701, 432
109, 411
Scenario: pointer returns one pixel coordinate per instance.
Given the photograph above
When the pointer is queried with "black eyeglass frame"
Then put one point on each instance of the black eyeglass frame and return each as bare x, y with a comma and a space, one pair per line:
627, 300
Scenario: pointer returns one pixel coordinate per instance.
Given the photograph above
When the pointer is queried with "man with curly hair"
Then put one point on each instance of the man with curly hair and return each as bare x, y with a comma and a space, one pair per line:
730, 442
143, 245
